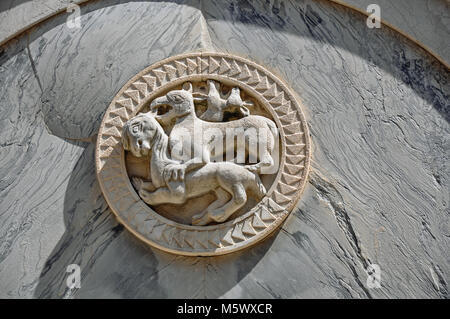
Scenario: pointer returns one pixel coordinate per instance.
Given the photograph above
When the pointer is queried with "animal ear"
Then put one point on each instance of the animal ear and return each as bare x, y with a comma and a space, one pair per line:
187, 86
199, 97
125, 143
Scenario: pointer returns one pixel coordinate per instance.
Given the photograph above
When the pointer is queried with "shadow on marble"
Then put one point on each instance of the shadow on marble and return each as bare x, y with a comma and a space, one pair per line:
65, 106
383, 148
6, 5
80, 70
331, 27
115, 264
378, 111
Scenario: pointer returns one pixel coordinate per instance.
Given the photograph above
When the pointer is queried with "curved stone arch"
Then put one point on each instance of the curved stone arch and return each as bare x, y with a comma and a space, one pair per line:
61, 9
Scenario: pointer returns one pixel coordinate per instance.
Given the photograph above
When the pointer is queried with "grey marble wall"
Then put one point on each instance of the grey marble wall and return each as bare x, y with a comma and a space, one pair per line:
426, 21
378, 110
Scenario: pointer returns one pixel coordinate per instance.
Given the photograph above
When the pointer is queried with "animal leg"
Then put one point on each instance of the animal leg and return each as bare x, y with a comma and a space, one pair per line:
202, 220
266, 143
265, 161
238, 199
161, 196
140, 183
203, 217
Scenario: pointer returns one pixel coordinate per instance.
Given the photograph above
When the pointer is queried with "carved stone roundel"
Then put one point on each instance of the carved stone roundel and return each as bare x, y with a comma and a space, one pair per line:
158, 225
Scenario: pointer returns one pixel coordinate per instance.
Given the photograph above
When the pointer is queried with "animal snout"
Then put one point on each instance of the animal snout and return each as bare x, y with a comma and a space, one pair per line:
142, 148
160, 101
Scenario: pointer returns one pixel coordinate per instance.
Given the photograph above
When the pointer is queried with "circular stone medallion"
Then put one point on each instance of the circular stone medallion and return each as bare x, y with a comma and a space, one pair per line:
219, 79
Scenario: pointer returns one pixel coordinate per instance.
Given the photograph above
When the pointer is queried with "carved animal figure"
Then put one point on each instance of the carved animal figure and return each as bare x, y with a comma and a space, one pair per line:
229, 181
217, 105
250, 130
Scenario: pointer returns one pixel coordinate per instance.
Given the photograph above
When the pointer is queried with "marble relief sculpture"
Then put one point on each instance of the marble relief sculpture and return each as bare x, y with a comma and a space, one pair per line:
218, 105
205, 135
203, 154
174, 180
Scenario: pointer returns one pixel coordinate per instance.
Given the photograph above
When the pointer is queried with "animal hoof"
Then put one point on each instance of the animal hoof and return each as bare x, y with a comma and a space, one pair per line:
219, 218
197, 216
137, 182
200, 219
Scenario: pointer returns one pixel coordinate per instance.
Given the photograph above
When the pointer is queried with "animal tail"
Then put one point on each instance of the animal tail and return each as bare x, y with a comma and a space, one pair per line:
258, 187
273, 129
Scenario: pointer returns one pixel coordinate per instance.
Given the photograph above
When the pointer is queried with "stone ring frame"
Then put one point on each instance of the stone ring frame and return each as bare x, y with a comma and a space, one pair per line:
235, 234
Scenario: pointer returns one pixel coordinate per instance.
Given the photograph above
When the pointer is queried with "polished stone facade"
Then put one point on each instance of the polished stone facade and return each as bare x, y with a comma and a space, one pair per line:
378, 113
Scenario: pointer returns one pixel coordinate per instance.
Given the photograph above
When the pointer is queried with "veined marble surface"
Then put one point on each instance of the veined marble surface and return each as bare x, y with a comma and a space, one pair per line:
426, 21
409, 17
378, 110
